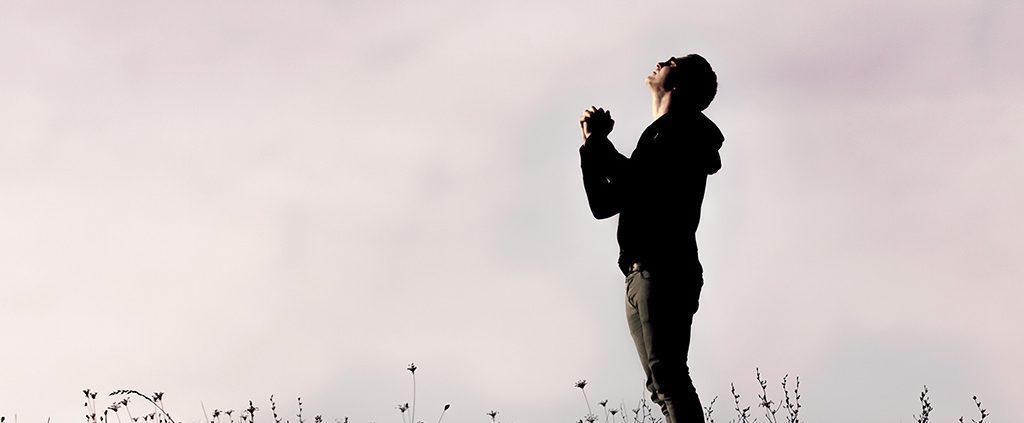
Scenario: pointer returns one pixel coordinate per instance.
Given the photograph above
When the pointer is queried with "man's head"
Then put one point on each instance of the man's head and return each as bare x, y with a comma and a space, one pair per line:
689, 79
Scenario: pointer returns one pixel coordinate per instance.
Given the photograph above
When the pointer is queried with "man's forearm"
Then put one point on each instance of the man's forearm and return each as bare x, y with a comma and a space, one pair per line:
603, 196
603, 168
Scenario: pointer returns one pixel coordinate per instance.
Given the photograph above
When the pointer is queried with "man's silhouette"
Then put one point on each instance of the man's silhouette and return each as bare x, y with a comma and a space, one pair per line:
657, 193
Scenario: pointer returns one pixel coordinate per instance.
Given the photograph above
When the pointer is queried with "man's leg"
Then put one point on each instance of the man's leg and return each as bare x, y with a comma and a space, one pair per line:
665, 305
636, 331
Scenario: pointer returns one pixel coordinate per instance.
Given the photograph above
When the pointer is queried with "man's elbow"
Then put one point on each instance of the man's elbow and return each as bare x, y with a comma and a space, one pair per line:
601, 214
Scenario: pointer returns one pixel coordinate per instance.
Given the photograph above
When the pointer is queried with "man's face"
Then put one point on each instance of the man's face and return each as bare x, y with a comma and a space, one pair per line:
656, 80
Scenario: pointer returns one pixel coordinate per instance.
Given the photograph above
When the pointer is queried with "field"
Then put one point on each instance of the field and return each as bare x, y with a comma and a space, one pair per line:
765, 410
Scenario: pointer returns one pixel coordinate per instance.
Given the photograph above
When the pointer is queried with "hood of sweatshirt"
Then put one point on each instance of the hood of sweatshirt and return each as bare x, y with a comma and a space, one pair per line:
709, 140
699, 138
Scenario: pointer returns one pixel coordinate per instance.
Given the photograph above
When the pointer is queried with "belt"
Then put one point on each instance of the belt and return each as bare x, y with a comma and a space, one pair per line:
639, 265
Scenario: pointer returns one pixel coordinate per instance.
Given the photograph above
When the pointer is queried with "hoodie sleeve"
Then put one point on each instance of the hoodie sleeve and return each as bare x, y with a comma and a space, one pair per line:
604, 171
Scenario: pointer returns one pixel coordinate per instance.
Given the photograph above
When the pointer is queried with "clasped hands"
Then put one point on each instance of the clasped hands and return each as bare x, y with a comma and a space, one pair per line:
596, 122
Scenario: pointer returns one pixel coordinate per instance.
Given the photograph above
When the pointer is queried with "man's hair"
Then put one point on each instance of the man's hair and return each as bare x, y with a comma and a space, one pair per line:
695, 73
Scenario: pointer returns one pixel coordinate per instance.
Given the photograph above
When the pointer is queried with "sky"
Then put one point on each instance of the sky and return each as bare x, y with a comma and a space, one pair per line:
229, 200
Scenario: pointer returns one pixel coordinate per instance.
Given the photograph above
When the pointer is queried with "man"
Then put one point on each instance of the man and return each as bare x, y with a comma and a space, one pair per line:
657, 193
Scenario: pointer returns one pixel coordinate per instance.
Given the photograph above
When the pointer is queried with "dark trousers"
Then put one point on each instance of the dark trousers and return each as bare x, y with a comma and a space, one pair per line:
660, 305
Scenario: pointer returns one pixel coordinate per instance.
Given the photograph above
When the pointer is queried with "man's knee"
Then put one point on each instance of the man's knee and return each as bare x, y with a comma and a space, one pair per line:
670, 378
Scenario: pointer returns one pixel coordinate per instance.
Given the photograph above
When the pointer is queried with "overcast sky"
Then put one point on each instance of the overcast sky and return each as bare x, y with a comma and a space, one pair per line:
228, 200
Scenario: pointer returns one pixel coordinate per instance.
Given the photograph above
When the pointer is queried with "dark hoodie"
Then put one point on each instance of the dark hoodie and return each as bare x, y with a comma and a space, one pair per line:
657, 191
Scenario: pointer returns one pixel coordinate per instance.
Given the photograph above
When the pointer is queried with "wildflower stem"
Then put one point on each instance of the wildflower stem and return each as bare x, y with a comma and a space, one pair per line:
443, 410
147, 398
587, 400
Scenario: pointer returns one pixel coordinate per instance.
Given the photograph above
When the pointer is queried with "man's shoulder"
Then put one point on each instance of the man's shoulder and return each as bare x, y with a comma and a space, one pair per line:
694, 126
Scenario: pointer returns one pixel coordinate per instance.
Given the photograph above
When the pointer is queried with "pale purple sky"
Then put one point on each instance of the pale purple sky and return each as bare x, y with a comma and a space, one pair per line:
228, 200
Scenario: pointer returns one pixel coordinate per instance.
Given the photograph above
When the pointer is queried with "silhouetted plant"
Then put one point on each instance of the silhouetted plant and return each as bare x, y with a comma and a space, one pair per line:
251, 411
709, 410
412, 369
402, 408
792, 407
982, 411
443, 410
742, 414
157, 402
926, 407
273, 410
582, 384
641, 414
645, 410
769, 412
90, 405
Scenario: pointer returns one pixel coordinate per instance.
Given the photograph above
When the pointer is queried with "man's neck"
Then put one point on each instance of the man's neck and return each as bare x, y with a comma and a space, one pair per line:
660, 103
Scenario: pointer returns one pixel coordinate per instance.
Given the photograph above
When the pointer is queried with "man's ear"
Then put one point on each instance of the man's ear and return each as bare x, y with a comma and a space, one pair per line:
673, 85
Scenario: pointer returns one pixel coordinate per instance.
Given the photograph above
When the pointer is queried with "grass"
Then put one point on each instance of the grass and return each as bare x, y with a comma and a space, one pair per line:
772, 411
